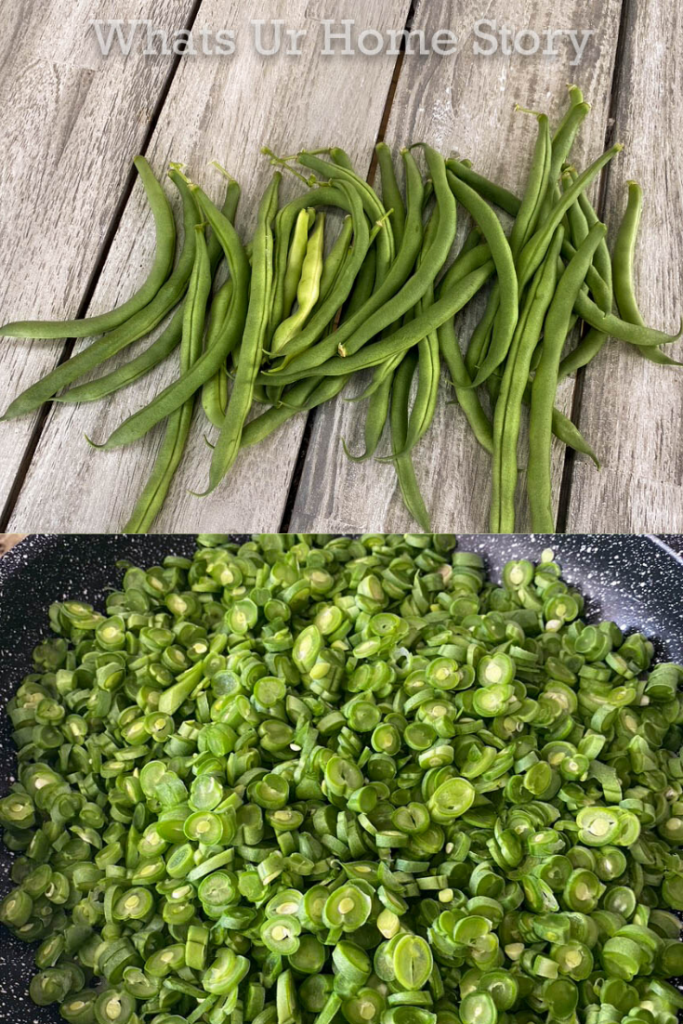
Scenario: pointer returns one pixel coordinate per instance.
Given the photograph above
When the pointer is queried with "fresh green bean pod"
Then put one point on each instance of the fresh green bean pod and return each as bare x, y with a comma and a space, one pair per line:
391, 193
178, 425
251, 351
164, 224
545, 383
201, 370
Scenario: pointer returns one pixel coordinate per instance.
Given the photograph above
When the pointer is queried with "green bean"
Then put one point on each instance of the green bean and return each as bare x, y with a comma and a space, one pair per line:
506, 420
164, 224
545, 383
578, 222
335, 260
488, 190
137, 324
562, 142
177, 393
566, 431
371, 204
403, 462
215, 390
501, 252
363, 286
383, 293
376, 418
469, 259
483, 353
532, 204
467, 397
352, 336
341, 158
179, 422
602, 261
308, 288
169, 339
293, 402
302, 397
391, 193
428, 362
295, 259
535, 249
251, 351
583, 217
634, 334
408, 335
624, 251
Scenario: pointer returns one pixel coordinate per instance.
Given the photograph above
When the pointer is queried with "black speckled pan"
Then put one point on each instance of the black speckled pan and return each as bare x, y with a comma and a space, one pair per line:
635, 580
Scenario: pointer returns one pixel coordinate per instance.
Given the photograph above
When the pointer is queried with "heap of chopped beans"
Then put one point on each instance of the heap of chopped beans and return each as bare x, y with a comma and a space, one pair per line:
314, 781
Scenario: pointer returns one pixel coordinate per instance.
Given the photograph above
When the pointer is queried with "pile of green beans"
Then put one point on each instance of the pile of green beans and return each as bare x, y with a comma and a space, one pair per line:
314, 780
295, 320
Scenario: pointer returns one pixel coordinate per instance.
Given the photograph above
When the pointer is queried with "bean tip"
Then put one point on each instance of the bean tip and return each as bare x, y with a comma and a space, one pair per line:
219, 167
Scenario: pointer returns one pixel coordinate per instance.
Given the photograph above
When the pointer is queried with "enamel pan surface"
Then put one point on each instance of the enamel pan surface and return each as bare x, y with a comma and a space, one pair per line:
635, 580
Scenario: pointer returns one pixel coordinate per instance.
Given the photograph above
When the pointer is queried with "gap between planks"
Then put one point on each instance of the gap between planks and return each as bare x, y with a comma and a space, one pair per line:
567, 482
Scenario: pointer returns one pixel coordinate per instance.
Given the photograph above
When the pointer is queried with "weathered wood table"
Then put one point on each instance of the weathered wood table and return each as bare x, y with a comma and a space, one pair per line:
75, 237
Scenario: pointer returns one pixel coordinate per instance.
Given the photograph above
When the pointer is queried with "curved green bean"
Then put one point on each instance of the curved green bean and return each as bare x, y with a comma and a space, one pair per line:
251, 350
164, 225
285, 221
167, 341
487, 189
335, 259
503, 258
340, 157
608, 323
507, 416
329, 307
466, 395
391, 193
375, 418
178, 392
295, 259
624, 251
135, 327
215, 390
403, 463
179, 422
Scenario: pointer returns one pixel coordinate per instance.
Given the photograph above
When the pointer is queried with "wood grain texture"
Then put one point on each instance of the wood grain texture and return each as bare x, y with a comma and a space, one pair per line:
631, 409
9, 541
226, 109
463, 105
70, 120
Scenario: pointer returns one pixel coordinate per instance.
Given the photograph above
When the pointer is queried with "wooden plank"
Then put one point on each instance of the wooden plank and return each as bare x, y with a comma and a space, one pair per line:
462, 105
223, 108
632, 410
70, 120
